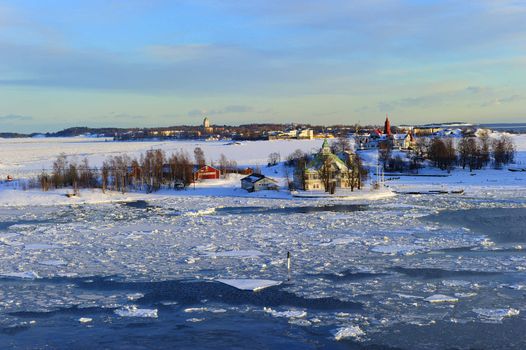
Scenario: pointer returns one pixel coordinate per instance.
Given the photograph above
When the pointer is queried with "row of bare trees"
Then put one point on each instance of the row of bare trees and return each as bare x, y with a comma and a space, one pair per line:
152, 171
66, 173
471, 152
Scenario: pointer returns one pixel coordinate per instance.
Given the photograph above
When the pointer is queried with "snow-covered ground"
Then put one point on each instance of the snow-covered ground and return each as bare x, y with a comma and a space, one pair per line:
28, 156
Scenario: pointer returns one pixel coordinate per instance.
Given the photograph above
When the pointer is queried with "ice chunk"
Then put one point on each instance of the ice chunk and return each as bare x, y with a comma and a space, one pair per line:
516, 286
496, 314
196, 309
134, 296
441, 298
204, 309
456, 283
249, 284
53, 262
26, 274
300, 322
348, 332
397, 249
288, 313
7, 235
38, 246
134, 311
237, 254
85, 320
208, 211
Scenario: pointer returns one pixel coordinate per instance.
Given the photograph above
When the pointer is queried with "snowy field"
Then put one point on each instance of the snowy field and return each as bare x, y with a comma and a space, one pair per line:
179, 268
23, 157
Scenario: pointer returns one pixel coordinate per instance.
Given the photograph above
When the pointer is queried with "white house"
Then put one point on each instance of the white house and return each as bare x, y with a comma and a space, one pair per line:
258, 182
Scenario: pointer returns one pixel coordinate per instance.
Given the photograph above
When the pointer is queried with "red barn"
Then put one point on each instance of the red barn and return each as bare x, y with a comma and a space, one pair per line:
206, 173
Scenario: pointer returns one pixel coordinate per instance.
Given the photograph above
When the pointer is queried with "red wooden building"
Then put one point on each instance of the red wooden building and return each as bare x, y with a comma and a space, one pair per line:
206, 172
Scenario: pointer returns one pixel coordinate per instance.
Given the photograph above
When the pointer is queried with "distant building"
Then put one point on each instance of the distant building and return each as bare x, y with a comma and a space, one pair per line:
258, 182
207, 129
403, 141
387, 126
307, 134
326, 168
376, 138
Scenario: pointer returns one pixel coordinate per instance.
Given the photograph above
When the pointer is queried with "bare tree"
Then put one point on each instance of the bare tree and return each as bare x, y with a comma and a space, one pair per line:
503, 150
223, 164
199, 157
105, 173
274, 158
45, 181
340, 145
384, 152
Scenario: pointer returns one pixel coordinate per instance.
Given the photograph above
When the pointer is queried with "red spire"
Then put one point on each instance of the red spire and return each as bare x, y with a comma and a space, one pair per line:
387, 126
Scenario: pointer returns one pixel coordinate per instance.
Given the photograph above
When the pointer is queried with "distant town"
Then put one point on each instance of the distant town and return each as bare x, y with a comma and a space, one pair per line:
265, 131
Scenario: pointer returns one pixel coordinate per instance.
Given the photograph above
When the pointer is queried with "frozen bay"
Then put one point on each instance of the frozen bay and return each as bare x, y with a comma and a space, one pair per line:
371, 267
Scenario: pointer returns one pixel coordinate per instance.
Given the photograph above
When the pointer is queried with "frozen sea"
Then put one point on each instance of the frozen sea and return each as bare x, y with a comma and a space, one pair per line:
409, 272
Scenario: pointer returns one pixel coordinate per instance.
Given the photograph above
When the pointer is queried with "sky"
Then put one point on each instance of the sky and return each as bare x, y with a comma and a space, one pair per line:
143, 63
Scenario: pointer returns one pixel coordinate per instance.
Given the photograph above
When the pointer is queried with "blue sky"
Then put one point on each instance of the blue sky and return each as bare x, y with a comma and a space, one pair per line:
159, 63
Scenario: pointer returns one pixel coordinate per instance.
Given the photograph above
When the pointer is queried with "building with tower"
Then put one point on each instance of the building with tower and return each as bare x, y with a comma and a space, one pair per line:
387, 126
376, 138
207, 129
327, 171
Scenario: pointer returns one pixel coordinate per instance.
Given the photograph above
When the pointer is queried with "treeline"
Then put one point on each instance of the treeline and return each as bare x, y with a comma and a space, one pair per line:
469, 152
152, 171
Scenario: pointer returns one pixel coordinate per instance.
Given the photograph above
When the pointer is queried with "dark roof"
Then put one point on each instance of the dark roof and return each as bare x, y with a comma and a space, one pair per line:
255, 178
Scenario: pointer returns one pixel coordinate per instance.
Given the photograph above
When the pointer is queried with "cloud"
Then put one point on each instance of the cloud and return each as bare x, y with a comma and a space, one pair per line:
120, 116
232, 109
15, 118
502, 100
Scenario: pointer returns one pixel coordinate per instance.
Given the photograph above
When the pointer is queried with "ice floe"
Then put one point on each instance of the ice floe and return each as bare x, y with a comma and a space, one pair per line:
134, 296
53, 262
287, 313
237, 254
250, 284
38, 246
441, 298
398, 249
25, 274
456, 283
134, 311
348, 332
496, 314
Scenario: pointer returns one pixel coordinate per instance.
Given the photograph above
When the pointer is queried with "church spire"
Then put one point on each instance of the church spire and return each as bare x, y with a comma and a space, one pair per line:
325, 148
387, 126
